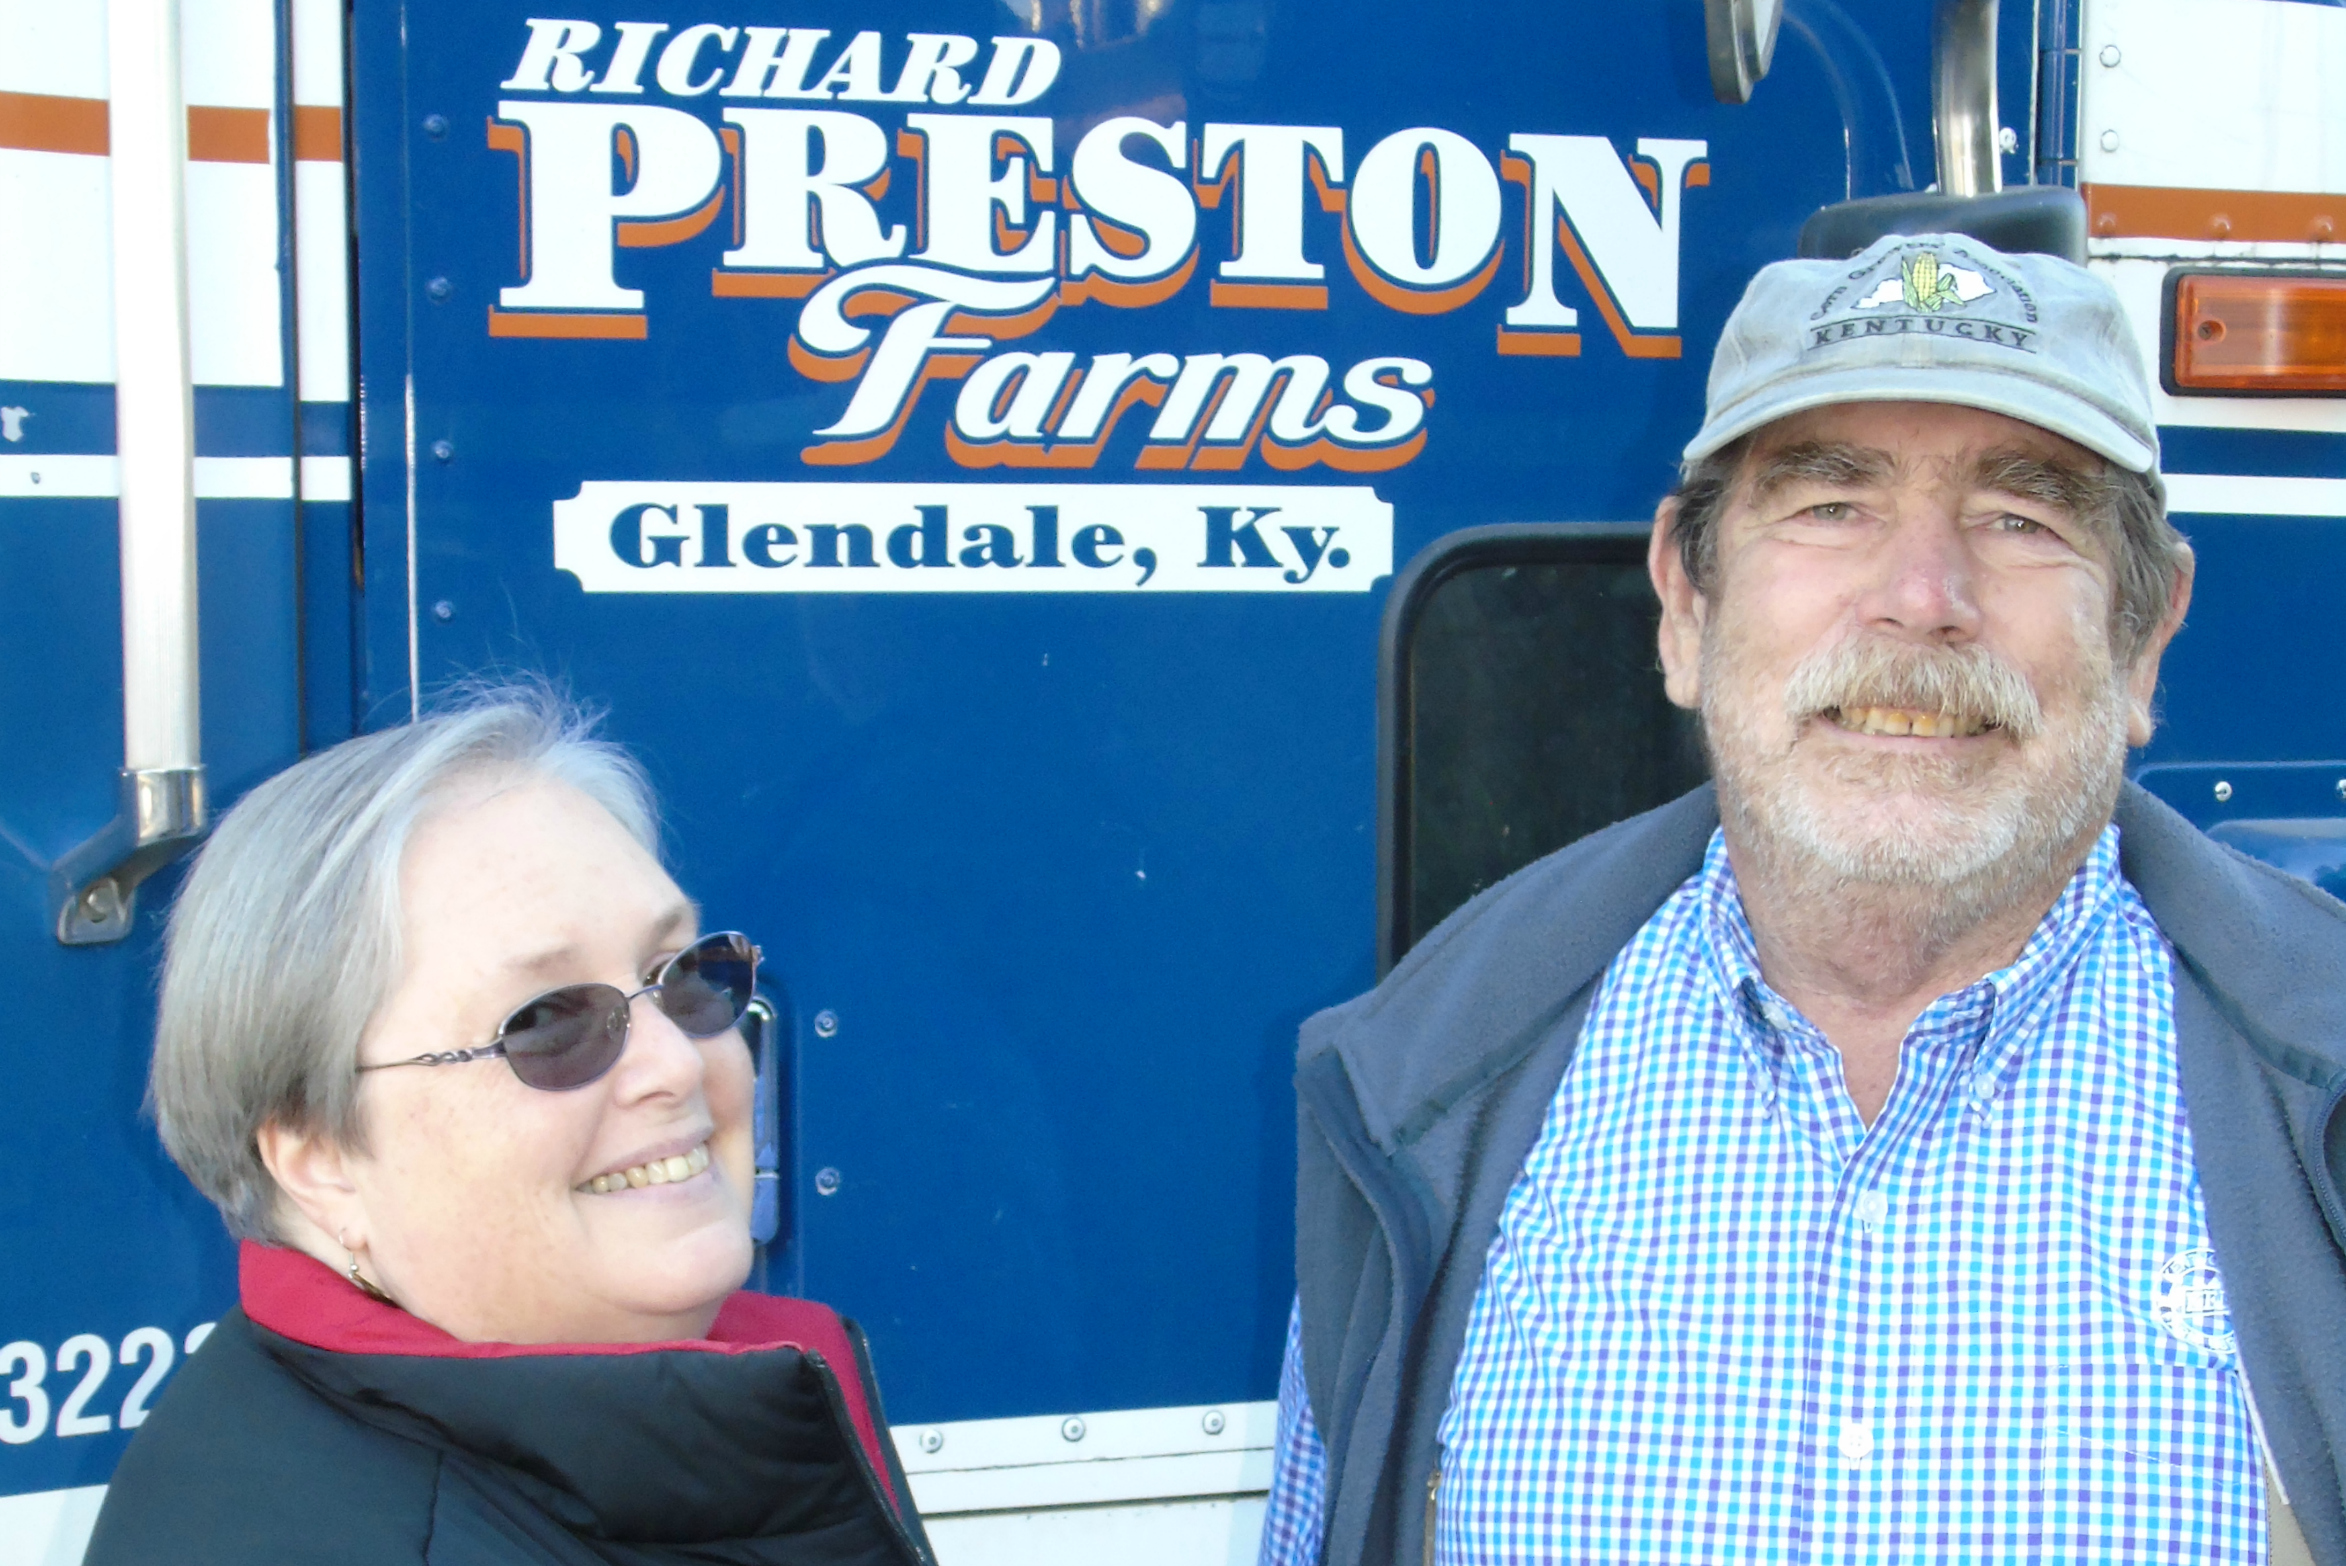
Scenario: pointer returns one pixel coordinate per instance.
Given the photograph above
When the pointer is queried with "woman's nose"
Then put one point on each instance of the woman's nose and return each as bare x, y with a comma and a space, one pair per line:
660, 1057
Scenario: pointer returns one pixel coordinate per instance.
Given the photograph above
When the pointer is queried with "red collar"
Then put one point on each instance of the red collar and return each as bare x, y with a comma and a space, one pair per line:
297, 1296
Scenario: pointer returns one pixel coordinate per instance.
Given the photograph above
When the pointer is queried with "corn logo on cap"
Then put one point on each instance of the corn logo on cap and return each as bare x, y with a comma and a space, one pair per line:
1935, 318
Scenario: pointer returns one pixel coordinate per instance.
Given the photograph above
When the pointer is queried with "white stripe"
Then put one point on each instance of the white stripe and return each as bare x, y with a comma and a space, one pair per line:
58, 477
48, 1527
230, 57
317, 52
235, 335
51, 48
415, 649
244, 478
1136, 1454
324, 478
2252, 495
56, 272
216, 478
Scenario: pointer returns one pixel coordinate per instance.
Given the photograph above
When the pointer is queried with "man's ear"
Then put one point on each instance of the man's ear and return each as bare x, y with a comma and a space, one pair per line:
2142, 681
314, 1175
1683, 609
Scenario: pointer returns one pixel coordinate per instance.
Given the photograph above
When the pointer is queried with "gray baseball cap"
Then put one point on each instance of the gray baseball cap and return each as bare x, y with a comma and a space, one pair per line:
1935, 318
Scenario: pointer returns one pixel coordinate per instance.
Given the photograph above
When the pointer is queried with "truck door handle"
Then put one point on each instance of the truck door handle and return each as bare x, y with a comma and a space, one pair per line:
160, 812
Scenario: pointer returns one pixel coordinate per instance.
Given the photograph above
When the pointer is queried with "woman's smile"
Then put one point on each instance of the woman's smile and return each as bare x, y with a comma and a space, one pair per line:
673, 1169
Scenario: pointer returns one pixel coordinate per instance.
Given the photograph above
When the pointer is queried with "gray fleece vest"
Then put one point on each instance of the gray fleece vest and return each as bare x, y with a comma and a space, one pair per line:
1418, 1102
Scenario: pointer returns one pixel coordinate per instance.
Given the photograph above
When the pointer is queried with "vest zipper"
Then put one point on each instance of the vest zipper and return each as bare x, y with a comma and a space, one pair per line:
863, 1459
1433, 1509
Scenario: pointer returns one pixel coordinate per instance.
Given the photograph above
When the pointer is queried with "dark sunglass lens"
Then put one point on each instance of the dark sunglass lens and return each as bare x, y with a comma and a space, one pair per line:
567, 1037
708, 986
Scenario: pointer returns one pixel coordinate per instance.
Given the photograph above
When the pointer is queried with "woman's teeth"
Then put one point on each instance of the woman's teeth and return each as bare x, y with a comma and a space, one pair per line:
659, 1171
1905, 720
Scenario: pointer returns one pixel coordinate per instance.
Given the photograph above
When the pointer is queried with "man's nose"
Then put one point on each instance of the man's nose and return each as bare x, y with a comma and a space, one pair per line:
1924, 583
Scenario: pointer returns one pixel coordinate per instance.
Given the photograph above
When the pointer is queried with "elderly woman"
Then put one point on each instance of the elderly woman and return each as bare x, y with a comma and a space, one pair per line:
456, 1061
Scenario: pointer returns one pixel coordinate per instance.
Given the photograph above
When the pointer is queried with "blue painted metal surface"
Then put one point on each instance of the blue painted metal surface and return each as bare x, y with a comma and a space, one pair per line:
1067, 869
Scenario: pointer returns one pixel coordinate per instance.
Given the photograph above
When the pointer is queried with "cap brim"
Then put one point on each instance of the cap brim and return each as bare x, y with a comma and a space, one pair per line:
2031, 402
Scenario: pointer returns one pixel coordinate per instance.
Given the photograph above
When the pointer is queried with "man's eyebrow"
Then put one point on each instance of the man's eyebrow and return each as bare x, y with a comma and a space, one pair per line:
1837, 464
2024, 475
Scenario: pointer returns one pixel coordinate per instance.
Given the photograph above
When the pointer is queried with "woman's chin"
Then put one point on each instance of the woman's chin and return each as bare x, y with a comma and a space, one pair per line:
692, 1273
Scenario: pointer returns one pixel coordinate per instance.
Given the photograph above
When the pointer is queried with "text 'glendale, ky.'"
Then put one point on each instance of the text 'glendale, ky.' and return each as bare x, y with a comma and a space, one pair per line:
918, 254
626, 537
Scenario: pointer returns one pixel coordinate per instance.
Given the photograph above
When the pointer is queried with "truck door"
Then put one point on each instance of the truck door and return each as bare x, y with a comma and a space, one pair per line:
114, 1268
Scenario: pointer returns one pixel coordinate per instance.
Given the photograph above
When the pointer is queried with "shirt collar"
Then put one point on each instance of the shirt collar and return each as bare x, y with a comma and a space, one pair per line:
2007, 999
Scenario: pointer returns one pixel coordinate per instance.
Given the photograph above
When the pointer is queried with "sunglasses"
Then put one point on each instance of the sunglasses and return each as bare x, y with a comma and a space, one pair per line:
569, 1037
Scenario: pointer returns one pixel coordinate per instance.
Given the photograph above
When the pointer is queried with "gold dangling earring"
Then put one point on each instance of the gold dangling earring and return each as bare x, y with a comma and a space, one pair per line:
364, 1284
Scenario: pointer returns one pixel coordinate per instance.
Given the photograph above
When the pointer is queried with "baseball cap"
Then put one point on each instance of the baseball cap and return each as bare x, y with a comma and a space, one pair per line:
1935, 318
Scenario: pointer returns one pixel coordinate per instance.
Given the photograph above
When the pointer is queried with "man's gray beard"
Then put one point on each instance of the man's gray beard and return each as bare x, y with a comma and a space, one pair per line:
1965, 847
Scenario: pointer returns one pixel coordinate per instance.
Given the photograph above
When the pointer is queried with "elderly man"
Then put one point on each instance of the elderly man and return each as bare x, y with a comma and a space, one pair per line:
1920, 1145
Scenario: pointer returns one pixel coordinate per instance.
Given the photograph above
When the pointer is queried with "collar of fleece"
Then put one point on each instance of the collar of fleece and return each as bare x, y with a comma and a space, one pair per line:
764, 1427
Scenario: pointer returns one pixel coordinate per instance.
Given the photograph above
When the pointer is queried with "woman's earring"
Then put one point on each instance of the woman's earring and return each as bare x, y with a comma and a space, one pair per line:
359, 1280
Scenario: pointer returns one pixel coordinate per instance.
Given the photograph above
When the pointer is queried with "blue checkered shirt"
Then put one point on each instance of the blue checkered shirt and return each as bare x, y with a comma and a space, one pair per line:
1724, 1320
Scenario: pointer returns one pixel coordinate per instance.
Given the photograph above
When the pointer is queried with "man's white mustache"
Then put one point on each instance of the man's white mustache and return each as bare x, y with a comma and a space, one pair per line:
1968, 683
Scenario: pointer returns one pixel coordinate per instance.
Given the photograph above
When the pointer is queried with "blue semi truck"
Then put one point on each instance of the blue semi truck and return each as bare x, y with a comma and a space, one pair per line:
1104, 518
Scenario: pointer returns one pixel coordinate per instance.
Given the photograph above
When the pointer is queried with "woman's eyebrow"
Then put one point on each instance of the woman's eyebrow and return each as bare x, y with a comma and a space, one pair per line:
670, 923
545, 960
1839, 464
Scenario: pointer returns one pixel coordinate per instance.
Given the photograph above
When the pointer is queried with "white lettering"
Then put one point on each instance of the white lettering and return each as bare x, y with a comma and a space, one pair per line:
572, 205
1133, 196
1632, 247
932, 73
1271, 189
626, 69
678, 60
1021, 71
964, 192
1466, 207
1039, 376
856, 72
784, 186
554, 46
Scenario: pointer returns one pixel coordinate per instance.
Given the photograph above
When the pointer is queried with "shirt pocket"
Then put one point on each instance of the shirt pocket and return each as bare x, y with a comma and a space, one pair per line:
2147, 1451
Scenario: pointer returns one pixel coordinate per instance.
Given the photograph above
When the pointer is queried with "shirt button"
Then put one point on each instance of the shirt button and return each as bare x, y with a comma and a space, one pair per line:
1872, 1208
1857, 1441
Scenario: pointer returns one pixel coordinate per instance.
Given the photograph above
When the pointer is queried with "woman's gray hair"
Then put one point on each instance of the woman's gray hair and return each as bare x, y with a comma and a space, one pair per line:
285, 940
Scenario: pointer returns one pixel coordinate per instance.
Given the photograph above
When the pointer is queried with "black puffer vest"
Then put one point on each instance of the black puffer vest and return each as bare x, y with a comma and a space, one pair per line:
317, 1425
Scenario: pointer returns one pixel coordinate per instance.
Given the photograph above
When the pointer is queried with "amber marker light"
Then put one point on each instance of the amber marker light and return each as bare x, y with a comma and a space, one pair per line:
2245, 332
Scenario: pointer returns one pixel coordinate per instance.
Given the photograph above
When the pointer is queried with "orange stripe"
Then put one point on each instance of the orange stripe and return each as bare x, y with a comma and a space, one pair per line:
227, 135
1541, 345
36, 122
1268, 296
317, 134
766, 285
2154, 212
513, 324
635, 234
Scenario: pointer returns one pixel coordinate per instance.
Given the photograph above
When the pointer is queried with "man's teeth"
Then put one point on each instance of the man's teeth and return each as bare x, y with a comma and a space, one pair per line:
1905, 720
659, 1171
